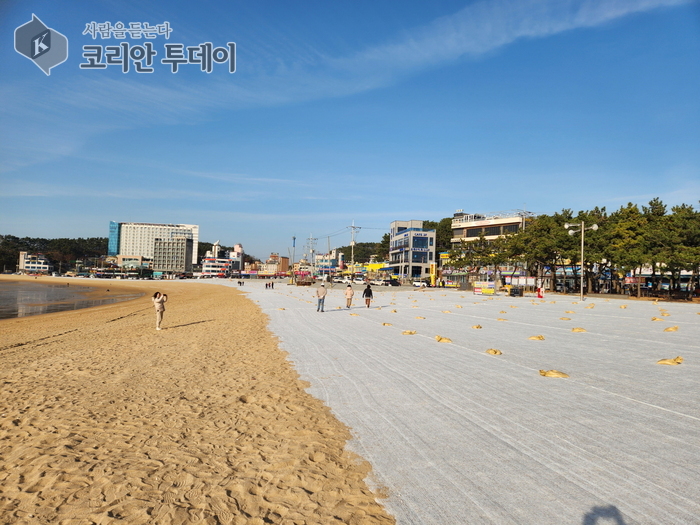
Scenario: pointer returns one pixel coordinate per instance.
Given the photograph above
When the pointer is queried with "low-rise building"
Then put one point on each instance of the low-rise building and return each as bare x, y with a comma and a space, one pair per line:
469, 226
34, 263
411, 249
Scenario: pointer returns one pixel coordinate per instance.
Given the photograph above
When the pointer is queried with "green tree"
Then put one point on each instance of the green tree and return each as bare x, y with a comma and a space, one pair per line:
443, 233
624, 245
543, 244
383, 247
475, 255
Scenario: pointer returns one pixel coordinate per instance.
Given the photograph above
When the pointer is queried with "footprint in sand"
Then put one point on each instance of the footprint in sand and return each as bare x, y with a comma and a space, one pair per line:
578, 329
441, 339
493, 351
536, 338
671, 329
408, 332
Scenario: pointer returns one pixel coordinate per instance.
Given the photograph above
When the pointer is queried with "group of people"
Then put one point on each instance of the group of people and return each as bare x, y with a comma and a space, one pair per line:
270, 286
321, 293
160, 299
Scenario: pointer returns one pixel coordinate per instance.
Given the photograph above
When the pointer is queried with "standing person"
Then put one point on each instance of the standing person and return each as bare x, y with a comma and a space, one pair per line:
321, 294
367, 294
159, 301
349, 292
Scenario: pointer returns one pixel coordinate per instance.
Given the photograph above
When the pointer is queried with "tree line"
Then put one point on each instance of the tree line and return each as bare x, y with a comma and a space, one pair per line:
626, 240
61, 252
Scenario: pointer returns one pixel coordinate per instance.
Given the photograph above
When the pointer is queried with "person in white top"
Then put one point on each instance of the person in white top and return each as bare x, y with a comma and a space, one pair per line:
159, 301
321, 295
349, 292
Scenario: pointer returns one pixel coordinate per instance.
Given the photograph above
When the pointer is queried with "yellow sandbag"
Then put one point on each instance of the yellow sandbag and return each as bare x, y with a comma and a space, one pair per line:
676, 361
386, 324
408, 332
671, 329
477, 327
493, 351
578, 329
537, 338
441, 339
553, 373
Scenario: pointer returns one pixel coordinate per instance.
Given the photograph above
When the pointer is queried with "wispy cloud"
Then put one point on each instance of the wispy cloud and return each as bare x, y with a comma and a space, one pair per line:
236, 178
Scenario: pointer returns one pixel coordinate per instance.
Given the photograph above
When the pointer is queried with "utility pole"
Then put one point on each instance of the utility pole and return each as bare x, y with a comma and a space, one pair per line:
352, 246
312, 249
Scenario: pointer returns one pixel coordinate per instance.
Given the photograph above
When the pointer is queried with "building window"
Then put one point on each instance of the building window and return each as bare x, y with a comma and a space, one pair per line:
420, 242
420, 257
492, 230
473, 232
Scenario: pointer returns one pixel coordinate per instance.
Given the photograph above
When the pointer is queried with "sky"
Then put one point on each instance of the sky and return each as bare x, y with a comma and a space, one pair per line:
348, 112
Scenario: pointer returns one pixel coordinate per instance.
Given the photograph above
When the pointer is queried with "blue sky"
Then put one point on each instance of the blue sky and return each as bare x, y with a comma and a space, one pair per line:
349, 111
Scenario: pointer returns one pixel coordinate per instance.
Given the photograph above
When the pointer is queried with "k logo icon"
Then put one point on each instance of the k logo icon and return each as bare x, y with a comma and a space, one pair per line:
42, 45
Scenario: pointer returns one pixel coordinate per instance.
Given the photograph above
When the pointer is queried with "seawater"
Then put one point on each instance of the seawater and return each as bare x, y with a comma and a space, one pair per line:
21, 298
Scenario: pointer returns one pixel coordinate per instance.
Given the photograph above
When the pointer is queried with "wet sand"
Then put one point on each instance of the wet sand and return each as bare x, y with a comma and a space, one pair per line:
103, 419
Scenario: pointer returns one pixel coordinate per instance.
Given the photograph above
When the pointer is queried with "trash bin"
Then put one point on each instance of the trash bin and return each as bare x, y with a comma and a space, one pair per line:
516, 292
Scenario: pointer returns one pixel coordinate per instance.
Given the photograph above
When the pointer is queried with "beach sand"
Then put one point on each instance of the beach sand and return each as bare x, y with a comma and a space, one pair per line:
105, 420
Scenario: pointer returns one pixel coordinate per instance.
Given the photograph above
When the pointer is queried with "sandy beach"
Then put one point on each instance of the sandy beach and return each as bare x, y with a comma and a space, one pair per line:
105, 420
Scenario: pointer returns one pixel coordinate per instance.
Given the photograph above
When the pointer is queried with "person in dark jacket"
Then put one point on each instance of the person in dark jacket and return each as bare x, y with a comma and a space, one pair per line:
367, 294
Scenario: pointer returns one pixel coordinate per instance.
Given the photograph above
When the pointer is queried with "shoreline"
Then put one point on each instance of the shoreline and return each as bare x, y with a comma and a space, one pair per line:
102, 417
82, 295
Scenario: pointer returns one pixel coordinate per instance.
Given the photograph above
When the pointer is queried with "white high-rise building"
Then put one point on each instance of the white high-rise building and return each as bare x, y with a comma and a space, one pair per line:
138, 238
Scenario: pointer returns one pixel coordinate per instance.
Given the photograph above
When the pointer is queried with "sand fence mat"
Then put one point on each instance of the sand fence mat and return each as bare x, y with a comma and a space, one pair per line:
105, 420
458, 436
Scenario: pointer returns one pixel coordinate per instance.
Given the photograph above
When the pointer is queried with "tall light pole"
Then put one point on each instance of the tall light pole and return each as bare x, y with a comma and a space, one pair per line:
294, 247
582, 230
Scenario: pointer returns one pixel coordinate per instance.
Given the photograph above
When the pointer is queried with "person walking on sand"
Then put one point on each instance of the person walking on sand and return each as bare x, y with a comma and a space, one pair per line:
159, 301
367, 294
321, 294
349, 292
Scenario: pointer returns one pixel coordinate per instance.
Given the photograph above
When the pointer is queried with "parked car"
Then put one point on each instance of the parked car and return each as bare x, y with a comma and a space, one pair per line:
420, 284
377, 282
339, 280
358, 280
391, 282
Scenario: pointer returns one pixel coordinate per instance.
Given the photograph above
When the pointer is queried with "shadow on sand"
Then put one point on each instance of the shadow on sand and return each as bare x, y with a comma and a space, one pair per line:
604, 515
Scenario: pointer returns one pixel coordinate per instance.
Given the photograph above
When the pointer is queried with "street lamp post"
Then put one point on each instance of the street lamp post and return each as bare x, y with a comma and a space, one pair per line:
569, 227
